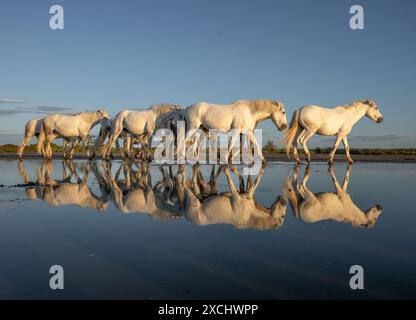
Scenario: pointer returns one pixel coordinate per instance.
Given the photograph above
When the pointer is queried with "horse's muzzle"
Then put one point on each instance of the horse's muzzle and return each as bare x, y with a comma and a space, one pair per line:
380, 120
283, 127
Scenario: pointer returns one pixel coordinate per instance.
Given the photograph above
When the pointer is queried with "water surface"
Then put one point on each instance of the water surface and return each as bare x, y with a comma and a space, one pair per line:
136, 232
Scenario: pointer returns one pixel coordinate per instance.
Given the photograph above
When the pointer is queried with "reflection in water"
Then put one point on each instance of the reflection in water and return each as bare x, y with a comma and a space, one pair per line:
64, 192
238, 208
176, 195
312, 207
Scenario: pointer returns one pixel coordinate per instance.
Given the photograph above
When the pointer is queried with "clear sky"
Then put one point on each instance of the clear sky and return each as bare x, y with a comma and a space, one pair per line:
130, 54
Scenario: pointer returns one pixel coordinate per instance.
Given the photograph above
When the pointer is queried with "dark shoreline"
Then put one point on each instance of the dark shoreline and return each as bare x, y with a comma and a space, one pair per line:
274, 157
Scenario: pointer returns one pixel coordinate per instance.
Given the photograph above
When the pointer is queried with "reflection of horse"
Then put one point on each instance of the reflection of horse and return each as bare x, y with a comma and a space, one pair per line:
239, 209
135, 192
312, 207
63, 192
338, 121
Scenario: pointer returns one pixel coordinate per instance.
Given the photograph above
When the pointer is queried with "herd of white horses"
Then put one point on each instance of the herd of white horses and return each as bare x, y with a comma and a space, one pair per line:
139, 126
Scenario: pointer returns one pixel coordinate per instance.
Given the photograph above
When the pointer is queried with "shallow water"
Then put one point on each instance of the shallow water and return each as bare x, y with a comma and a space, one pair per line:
124, 236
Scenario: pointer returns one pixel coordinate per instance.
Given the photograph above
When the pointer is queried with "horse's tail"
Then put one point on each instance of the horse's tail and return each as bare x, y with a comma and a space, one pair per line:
291, 132
41, 140
104, 133
290, 194
30, 130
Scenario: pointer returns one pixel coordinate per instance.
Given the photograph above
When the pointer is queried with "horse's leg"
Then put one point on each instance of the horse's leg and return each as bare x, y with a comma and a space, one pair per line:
304, 140
298, 141
347, 149
256, 145
256, 183
25, 141
334, 179
334, 149
231, 185
64, 146
346, 178
295, 149
240, 178
234, 138
22, 171
305, 179
48, 149
129, 147
115, 132
74, 144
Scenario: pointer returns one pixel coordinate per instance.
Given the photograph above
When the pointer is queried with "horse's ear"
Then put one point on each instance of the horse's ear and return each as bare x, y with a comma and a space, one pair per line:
278, 104
369, 102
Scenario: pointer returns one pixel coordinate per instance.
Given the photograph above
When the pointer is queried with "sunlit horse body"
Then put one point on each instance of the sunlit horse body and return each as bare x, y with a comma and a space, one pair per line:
105, 131
129, 140
241, 115
140, 124
76, 126
338, 121
33, 129
338, 206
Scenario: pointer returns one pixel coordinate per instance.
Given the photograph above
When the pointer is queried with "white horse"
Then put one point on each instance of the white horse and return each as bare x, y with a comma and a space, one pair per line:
128, 140
337, 121
105, 132
76, 126
241, 115
313, 207
140, 124
33, 128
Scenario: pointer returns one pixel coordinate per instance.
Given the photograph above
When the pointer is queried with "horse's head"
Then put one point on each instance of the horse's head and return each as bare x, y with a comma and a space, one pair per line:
279, 115
278, 210
372, 215
373, 113
102, 114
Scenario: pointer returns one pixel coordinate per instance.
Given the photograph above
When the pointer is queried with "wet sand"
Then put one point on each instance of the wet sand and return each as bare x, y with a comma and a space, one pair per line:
277, 157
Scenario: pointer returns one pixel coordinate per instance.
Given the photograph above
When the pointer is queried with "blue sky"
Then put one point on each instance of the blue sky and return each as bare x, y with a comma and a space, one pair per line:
130, 54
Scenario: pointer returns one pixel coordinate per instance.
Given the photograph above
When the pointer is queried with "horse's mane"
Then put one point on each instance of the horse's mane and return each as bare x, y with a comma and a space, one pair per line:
262, 223
78, 113
356, 102
164, 107
259, 105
